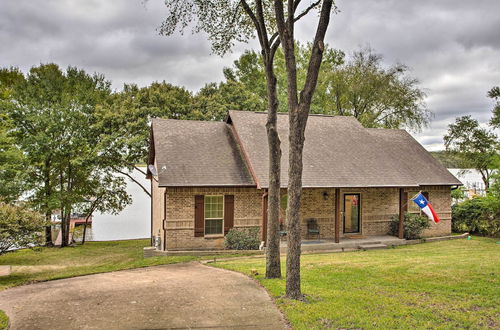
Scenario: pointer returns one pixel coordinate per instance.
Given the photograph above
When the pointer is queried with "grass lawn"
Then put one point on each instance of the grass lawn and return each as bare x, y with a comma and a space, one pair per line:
94, 257
4, 321
443, 285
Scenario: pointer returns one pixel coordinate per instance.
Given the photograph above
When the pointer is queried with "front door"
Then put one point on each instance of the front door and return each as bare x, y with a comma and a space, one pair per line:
351, 213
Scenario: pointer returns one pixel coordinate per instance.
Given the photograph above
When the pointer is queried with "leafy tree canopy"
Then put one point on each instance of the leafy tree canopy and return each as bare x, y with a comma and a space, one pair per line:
358, 86
494, 93
476, 146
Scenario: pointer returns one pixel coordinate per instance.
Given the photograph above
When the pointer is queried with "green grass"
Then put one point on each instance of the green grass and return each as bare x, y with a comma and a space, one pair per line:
440, 285
94, 257
4, 321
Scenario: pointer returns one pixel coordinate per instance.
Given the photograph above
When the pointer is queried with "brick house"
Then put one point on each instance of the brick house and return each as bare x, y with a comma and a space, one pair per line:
208, 177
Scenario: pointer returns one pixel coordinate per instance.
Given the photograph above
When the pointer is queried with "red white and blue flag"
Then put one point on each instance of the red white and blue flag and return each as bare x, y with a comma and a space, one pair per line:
425, 206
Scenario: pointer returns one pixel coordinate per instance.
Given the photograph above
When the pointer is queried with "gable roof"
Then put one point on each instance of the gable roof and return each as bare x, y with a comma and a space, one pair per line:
340, 152
196, 153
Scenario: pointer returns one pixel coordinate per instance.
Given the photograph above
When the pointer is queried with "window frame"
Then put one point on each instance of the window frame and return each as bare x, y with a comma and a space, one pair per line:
205, 218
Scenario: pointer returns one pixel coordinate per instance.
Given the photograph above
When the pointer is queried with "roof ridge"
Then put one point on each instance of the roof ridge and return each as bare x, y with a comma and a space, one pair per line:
286, 113
188, 120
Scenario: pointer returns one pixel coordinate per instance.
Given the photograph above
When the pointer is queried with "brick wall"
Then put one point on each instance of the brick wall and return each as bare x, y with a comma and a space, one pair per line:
180, 215
157, 194
378, 206
440, 199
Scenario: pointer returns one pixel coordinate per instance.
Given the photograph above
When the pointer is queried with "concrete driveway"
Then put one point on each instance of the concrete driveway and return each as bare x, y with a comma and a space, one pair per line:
187, 295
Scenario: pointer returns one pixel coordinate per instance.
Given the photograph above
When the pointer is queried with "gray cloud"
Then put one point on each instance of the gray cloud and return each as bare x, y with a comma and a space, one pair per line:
452, 46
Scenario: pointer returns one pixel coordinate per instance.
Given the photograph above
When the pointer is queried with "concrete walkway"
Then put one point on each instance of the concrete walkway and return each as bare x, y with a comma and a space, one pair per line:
164, 297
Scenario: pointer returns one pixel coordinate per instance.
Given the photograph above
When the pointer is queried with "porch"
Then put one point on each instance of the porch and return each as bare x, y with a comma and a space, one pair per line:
348, 243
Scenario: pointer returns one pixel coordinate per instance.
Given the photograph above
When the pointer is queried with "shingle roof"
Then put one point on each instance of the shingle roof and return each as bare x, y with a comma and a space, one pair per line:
340, 152
197, 153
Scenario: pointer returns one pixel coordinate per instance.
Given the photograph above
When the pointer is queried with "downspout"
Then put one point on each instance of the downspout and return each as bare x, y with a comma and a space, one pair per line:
455, 187
164, 222
151, 211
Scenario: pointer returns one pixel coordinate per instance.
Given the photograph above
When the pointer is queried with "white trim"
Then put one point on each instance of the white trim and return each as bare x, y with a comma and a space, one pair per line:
205, 219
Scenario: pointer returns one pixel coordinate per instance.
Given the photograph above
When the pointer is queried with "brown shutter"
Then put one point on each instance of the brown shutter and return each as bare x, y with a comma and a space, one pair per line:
228, 212
199, 216
426, 195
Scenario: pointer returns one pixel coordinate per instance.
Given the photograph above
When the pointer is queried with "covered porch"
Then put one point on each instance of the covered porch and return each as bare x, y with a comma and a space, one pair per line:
345, 215
347, 243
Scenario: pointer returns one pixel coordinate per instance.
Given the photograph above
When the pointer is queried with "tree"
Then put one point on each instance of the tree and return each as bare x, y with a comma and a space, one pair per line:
20, 227
359, 86
213, 101
476, 147
107, 194
299, 105
123, 122
494, 93
11, 157
55, 126
376, 96
227, 22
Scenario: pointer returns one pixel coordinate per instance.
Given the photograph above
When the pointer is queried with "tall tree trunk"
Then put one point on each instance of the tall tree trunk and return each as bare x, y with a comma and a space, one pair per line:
89, 214
64, 242
298, 111
273, 264
48, 211
85, 227
296, 139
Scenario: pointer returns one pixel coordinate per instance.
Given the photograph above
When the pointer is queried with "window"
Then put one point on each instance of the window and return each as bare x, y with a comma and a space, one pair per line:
214, 215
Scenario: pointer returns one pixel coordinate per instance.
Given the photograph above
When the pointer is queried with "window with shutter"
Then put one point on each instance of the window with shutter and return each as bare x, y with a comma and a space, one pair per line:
199, 215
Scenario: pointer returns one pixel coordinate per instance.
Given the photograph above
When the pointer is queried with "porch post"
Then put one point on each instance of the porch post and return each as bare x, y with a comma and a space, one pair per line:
264, 218
401, 213
337, 215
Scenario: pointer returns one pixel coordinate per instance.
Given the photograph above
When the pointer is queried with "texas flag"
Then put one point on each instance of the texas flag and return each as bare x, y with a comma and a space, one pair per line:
426, 207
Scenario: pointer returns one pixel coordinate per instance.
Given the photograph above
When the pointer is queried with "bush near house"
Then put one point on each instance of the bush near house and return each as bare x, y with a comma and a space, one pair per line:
242, 239
479, 215
20, 227
414, 225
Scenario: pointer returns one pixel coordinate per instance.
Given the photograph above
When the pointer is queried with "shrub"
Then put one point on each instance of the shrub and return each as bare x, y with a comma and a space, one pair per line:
20, 227
242, 239
414, 225
479, 215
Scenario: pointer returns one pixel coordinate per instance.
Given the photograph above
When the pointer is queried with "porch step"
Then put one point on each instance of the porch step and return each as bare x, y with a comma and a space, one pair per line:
372, 246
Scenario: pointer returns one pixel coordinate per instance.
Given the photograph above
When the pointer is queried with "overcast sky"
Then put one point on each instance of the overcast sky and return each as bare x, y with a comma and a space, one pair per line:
452, 46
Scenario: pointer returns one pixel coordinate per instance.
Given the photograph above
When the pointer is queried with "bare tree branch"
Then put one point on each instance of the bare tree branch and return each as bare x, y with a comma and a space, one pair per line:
134, 180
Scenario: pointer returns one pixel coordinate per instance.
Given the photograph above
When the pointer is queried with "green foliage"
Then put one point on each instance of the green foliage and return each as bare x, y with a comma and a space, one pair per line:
414, 225
20, 227
224, 22
494, 93
123, 121
479, 215
214, 101
447, 159
458, 194
242, 239
440, 285
11, 162
476, 147
55, 125
4, 321
361, 86
45, 263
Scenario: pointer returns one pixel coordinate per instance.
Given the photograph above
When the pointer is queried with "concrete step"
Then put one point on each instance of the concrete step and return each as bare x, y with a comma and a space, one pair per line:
372, 246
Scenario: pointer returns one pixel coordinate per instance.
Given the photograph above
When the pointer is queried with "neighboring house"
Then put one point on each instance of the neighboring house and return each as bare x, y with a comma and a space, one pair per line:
208, 177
